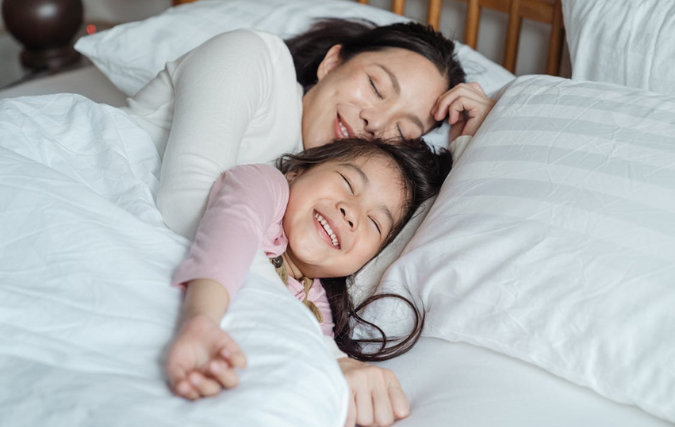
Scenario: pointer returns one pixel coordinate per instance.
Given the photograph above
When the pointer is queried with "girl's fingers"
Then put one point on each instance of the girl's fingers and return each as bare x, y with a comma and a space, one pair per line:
204, 386
233, 355
221, 371
185, 390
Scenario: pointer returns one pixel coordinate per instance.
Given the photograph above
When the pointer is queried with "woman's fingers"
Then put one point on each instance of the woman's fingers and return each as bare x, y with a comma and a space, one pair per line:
399, 401
364, 403
467, 91
351, 412
383, 411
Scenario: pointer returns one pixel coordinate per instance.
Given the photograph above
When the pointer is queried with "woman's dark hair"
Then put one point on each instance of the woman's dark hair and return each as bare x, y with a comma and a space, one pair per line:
422, 172
358, 36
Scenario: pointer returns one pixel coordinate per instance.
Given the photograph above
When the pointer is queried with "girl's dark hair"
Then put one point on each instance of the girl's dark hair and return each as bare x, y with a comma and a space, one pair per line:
422, 172
358, 36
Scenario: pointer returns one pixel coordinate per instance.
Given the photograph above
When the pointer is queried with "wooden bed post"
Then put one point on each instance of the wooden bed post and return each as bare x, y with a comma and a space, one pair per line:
555, 45
472, 24
434, 13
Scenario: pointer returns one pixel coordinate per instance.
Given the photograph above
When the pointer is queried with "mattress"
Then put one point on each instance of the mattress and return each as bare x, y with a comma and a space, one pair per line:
457, 384
87, 81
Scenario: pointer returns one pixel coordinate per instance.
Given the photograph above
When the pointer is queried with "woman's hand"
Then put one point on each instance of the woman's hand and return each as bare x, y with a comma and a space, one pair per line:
377, 399
466, 106
202, 359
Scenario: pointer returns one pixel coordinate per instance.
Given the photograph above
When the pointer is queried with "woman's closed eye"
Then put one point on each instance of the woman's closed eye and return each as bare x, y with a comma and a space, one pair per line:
372, 84
400, 132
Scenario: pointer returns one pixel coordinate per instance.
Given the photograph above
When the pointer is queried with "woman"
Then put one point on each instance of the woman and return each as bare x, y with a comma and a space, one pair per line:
246, 97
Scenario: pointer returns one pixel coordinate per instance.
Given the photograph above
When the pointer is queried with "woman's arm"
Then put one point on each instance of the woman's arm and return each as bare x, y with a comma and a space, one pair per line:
225, 95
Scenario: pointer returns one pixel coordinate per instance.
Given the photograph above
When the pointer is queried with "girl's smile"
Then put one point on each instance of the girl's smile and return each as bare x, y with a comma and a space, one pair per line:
328, 232
340, 213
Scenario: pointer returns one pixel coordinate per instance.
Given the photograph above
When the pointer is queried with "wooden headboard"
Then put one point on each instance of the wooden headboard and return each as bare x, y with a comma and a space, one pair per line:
544, 11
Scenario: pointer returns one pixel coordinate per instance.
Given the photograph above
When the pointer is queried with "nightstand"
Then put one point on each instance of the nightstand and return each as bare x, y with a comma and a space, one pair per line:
13, 73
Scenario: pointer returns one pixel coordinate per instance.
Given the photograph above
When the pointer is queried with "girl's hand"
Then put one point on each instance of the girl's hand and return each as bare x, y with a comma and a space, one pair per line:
466, 106
202, 359
377, 399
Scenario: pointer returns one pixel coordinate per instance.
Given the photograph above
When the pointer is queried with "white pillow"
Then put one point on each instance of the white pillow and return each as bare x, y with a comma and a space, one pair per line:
553, 240
86, 306
628, 42
130, 55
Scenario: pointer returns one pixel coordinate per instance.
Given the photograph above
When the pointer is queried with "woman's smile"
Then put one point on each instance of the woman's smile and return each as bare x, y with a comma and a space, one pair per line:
327, 232
342, 128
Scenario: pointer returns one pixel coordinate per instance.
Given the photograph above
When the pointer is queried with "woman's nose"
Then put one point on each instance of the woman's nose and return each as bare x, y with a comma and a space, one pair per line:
374, 122
349, 217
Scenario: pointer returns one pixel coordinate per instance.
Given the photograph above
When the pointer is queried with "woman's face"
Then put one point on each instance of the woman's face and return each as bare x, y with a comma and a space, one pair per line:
383, 94
340, 213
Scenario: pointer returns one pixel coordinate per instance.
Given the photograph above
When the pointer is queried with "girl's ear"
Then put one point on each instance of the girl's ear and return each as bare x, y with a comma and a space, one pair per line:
290, 176
330, 61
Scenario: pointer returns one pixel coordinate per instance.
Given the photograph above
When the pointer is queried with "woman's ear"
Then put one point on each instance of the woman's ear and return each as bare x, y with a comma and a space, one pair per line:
330, 61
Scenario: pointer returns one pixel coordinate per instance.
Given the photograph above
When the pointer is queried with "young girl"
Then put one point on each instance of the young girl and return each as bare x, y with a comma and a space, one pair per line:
324, 214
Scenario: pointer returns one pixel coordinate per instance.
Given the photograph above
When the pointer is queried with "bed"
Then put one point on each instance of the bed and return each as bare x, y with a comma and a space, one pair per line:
546, 265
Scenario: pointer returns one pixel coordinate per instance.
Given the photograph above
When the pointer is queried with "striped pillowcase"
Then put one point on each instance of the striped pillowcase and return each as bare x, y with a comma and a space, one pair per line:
553, 239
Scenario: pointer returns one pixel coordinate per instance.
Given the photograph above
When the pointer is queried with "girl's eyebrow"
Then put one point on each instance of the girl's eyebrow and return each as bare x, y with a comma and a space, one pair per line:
364, 181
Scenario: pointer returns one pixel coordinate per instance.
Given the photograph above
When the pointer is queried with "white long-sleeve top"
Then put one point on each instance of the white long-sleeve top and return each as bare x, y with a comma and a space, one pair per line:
232, 100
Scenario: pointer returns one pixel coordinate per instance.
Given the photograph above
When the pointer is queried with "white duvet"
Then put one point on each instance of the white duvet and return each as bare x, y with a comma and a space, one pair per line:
86, 309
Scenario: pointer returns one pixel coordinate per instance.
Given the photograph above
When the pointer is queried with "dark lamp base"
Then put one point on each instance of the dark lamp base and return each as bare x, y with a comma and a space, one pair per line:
51, 59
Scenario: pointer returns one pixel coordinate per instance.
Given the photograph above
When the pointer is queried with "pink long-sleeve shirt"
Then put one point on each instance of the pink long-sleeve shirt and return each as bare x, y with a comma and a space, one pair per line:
245, 211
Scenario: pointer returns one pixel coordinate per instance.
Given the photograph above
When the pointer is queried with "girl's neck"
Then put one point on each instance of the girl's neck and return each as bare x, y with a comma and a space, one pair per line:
291, 268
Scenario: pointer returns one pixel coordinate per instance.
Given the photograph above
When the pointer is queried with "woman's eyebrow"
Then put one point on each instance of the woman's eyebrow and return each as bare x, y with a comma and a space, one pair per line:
397, 88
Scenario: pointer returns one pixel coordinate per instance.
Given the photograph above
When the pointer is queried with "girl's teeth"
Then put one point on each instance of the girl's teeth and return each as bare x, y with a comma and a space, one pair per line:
326, 227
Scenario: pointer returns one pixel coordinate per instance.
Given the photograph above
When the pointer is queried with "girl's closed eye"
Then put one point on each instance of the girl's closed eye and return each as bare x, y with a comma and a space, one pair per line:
377, 226
349, 184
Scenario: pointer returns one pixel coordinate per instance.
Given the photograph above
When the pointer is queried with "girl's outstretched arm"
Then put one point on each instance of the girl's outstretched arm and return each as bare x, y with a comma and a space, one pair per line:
202, 358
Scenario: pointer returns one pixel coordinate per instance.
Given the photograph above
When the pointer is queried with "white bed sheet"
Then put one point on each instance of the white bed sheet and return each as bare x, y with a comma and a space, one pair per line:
457, 384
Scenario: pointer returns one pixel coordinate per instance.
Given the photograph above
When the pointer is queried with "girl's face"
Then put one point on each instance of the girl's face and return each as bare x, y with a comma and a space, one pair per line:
383, 94
340, 213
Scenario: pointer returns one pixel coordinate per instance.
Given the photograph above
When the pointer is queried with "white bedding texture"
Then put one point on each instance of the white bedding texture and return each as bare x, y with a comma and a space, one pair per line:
85, 306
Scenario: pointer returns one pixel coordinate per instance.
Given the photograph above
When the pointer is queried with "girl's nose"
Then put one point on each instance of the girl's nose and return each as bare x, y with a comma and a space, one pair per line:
349, 217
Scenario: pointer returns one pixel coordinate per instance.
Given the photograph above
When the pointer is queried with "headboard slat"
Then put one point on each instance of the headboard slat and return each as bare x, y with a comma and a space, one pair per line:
545, 11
